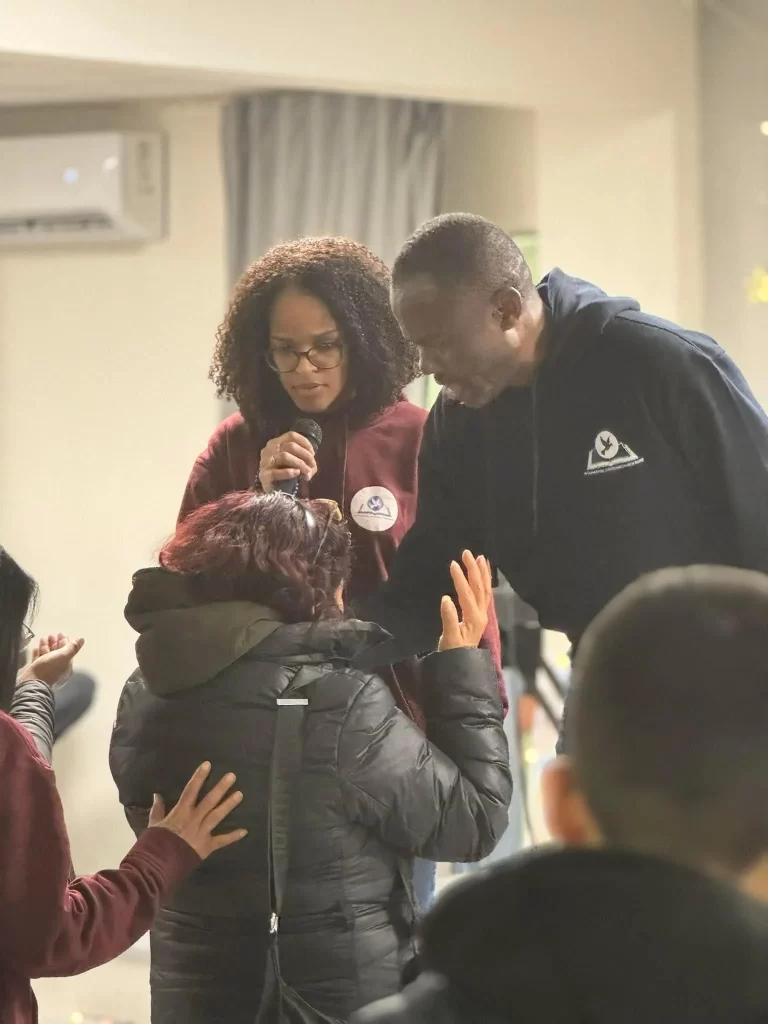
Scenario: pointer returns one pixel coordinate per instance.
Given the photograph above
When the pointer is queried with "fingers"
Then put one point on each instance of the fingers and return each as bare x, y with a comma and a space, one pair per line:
215, 817
464, 591
449, 616
474, 575
290, 457
192, 789
298, 439
289, 451
57, 642
485, 594
270, 476
452, 633
158, 810
488, 572
284, 446
212, 800
219, 842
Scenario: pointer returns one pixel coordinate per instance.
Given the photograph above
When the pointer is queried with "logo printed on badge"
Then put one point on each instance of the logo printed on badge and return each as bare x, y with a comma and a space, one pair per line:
608, 453
374, 508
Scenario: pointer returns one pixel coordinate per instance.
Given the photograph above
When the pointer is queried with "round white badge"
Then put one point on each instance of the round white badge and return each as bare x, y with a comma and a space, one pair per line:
374, 508
606, 445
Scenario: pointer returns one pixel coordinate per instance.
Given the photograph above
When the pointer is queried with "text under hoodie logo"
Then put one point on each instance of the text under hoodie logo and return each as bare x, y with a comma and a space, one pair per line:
609, 454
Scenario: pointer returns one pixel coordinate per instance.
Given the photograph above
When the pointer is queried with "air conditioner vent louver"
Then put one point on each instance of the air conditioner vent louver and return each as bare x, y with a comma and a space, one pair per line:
82, 188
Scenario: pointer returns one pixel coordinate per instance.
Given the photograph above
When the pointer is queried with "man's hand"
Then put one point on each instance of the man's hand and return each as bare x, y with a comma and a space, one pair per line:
194, 822
51, 662
285, 458
475, 592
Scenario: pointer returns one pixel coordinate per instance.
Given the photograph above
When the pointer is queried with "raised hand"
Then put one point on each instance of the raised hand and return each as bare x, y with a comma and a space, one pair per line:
474, 591
194, 820
51, 660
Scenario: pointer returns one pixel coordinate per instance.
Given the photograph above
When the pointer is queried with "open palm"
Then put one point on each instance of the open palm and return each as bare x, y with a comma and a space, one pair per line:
51, 661
474, 591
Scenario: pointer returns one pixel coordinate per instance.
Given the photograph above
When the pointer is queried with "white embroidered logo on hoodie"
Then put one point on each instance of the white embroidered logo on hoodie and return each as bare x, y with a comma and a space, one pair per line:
608, 454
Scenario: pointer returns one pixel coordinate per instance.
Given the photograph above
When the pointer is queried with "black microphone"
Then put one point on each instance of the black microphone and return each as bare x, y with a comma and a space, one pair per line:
314, 434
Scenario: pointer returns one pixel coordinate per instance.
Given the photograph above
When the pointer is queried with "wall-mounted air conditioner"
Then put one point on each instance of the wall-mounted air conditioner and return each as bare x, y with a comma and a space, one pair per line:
82, 188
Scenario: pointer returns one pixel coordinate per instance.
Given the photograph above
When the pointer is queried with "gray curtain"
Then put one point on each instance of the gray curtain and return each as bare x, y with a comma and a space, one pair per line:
303, 163
300, 163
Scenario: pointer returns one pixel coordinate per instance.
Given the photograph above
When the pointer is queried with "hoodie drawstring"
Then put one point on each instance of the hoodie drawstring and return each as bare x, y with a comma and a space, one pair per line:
344, 466
492, 534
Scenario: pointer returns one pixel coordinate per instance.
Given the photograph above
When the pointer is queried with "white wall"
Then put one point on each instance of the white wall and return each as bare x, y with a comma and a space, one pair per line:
618, 204
104, 403
735, 169
491, 166
614, 199
602, 54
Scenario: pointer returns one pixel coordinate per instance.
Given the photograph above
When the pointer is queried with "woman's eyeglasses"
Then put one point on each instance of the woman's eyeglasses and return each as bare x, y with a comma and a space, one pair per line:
335, 515
323, 357
27, 636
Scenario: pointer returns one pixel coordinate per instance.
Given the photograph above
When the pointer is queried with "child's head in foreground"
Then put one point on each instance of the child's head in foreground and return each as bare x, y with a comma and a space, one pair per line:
666, 736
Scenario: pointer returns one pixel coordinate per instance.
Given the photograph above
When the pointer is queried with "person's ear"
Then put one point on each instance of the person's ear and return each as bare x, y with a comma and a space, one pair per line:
508, 306
566, 813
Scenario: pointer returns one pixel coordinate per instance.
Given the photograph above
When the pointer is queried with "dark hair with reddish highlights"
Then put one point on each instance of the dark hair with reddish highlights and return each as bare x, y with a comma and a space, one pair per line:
265, 548
354, 284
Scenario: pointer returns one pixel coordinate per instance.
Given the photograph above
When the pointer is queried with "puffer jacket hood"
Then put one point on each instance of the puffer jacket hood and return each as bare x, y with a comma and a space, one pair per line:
183, 643
590, 935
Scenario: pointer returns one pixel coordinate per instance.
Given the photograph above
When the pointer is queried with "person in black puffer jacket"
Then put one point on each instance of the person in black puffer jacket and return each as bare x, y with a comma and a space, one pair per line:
247, 599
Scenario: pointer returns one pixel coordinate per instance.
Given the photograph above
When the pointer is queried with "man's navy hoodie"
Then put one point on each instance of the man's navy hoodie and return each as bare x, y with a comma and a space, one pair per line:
638, 446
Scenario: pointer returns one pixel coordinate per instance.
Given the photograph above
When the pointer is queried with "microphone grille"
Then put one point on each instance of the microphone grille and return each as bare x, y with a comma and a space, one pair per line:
311, 430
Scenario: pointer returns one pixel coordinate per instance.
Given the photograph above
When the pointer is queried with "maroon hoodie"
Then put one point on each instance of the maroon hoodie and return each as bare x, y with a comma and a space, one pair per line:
372, 472
49, 926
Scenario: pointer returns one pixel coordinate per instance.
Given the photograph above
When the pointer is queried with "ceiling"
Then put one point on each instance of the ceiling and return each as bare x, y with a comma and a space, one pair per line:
32, 80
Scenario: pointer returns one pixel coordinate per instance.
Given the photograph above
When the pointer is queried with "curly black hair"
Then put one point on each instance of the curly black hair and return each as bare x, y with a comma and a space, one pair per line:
354, 284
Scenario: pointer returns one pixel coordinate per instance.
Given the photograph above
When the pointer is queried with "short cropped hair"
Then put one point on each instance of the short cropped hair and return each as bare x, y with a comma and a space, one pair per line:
667, 722
463, 249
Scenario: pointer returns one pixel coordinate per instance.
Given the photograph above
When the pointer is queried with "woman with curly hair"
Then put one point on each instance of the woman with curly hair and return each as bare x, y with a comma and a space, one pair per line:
310, 332
244, 614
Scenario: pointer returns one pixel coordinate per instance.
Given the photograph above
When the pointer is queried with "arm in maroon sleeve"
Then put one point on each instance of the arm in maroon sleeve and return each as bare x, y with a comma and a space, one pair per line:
229, 463
207, 482
491, 641
51, 927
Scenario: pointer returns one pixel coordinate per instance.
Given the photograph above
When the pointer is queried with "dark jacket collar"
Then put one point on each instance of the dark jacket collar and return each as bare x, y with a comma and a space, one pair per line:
602, 936
182, 643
